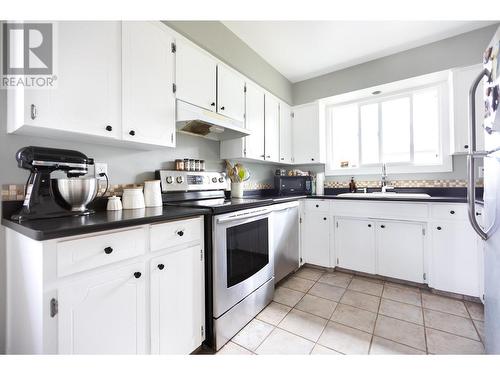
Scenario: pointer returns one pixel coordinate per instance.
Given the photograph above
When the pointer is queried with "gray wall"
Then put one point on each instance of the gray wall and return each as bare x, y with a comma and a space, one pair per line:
225, 45
461, 50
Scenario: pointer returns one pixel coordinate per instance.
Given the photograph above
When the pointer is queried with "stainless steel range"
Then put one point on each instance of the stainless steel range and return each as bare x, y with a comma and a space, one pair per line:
242, 282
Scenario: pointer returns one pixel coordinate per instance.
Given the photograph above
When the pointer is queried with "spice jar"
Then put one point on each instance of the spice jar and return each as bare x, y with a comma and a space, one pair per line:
192, 165
179, 165
197, 165
186, 165
202, 165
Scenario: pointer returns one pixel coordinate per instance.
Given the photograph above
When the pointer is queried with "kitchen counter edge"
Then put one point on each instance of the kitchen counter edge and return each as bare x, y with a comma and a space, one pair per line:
48, 229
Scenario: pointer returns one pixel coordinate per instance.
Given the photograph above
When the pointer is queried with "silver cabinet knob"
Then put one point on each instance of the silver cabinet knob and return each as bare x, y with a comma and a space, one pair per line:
169, 179
179, 179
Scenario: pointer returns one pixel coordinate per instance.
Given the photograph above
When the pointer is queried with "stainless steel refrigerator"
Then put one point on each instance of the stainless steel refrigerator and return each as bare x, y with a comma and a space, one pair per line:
489, 231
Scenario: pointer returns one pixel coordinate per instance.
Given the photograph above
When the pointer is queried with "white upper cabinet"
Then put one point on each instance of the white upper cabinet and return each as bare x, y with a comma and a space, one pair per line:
148, 98
254, 121
461, 81
195, 76
272, 129
87, 96
230, 93
286, 152
309, 141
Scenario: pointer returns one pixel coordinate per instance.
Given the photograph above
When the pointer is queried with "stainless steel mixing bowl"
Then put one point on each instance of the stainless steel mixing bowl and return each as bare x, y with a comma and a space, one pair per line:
76, 192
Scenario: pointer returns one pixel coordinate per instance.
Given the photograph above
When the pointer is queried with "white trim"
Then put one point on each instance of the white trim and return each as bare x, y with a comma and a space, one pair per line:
398, 89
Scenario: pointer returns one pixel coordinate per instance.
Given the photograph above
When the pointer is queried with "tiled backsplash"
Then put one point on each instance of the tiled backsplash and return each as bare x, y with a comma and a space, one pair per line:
402, 184
16, 191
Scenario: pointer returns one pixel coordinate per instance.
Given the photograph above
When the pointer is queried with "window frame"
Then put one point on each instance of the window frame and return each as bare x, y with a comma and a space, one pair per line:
445, 163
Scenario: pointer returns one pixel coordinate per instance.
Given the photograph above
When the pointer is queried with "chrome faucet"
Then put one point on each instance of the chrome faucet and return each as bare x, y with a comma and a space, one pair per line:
383, 181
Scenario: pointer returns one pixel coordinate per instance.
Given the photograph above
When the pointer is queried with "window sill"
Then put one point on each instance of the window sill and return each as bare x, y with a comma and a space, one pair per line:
447, 166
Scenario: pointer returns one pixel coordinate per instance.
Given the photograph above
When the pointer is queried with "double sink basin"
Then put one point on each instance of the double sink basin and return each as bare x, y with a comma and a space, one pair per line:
387, 195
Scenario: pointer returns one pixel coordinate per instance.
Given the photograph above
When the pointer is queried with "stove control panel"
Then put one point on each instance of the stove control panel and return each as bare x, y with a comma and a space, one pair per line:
191, 181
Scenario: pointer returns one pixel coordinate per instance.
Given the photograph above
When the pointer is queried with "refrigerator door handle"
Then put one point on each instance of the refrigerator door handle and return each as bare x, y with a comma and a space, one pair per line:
472, 156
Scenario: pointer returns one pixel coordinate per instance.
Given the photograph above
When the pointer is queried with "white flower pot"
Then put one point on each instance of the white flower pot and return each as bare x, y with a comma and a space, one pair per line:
237, 189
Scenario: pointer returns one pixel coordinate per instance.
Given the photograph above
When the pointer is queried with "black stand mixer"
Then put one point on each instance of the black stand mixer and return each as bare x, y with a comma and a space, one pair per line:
43, 195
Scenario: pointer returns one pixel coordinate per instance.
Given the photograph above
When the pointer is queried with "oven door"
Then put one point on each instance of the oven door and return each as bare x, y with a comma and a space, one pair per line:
243, 256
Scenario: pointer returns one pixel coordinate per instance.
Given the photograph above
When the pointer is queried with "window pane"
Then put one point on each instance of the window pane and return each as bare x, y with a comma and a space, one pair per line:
369, 134
396, 130
426, 126
344, 125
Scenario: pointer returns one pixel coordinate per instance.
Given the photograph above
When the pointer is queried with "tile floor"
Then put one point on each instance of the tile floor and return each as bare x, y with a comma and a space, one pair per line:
323, 312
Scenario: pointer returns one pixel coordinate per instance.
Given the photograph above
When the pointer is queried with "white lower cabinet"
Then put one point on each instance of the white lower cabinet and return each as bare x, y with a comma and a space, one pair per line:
427, 243
454, 258
400, 250
148, 301
177, 307
104, 313
316, 239
355, 244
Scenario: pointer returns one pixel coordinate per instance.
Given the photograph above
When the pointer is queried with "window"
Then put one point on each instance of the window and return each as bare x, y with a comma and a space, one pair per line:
405, 129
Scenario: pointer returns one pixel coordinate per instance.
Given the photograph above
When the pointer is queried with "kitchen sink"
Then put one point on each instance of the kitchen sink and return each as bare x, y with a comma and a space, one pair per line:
388, 195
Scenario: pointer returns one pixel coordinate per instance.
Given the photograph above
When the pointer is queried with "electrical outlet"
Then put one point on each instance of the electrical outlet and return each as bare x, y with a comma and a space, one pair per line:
100, 168
481, 172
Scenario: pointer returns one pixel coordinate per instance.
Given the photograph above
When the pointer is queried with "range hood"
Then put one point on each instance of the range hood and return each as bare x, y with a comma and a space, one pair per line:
203, 123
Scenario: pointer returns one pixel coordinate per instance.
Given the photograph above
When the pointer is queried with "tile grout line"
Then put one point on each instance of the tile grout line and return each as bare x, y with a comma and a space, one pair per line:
329, 319
474, 325
376, 319
423, 321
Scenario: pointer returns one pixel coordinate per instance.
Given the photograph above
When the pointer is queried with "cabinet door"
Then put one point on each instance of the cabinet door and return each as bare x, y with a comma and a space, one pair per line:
104, 314
355, 244
177, 302
254, 121
148, 72
272, 129
306, 137
87, 98
316, 239
400, 250
195, 76
230, 93
462, 81
286, 155
454, 258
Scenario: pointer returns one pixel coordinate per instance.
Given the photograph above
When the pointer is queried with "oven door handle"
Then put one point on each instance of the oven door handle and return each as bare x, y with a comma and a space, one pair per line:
242, 217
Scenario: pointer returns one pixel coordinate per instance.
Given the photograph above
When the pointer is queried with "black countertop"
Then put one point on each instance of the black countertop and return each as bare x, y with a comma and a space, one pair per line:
47, 229
370, 197
103, 220
222, 206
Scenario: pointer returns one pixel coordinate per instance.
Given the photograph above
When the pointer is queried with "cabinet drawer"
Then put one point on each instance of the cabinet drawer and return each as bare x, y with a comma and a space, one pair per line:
318, 205
175, 233
90, 252
449, 211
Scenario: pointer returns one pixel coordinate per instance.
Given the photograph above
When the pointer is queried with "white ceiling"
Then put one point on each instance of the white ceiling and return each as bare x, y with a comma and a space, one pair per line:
304, 49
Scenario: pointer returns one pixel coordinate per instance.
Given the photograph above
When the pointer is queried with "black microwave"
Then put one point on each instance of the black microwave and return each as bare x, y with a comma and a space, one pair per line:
293, 185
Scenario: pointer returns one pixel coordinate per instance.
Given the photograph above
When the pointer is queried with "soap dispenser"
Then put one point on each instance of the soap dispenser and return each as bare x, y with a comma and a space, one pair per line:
352, 186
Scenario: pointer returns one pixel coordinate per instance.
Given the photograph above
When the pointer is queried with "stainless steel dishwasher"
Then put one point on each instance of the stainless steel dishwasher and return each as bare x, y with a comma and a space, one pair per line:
285, 237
